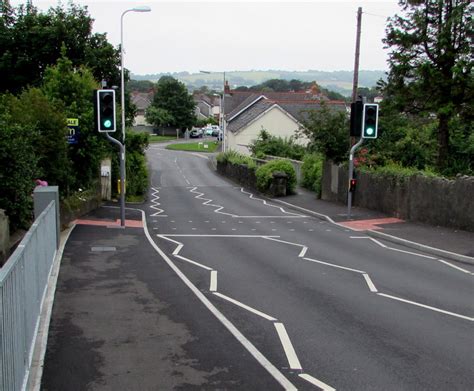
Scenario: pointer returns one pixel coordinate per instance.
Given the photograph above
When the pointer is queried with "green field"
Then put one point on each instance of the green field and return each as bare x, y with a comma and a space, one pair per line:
153, 138
194, 147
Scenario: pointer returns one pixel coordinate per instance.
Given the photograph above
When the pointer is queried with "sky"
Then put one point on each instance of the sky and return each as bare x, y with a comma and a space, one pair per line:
229, 36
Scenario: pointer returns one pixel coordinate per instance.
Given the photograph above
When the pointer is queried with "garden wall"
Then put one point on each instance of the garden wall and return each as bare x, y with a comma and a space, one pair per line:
435, 201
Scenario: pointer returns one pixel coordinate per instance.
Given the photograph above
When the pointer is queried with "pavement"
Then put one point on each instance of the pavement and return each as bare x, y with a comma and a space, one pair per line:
109, 313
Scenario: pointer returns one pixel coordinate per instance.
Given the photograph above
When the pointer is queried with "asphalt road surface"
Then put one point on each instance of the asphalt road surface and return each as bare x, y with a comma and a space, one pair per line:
315, 305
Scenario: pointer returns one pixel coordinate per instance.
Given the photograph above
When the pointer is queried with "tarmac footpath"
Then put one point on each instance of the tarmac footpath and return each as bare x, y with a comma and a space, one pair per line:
122, 321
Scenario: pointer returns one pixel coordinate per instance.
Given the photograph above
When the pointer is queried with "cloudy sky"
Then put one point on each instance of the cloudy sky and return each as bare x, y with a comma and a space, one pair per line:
228, 35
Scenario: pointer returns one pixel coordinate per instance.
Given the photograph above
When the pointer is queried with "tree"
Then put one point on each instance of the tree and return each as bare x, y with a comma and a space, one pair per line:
158, 117
327, 130
18, 162
72, 89
431, 65
32, 110
31, 40
173, 97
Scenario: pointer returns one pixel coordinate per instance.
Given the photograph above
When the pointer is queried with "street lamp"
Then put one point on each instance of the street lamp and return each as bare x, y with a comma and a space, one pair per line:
224, 138
122, 93
122, 83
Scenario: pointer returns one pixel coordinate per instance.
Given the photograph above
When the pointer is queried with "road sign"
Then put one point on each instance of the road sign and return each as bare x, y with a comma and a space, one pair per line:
73, 135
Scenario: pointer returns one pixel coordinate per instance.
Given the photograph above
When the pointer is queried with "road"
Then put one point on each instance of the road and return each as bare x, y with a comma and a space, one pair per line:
317, 306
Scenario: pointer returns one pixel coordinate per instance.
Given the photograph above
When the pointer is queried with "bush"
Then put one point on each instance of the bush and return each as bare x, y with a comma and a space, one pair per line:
266, 144
236, 158
19, 169
136, 168
312, 172
265, 175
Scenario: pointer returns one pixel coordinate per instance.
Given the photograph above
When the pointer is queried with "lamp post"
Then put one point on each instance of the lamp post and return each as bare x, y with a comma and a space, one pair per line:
224, 138
122, 101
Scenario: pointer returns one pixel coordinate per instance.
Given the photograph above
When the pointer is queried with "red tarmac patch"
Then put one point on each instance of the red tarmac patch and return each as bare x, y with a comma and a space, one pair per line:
364, 225
108, 223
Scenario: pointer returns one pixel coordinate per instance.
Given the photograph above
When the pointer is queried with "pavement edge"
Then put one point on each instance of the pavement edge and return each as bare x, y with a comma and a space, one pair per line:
39, 350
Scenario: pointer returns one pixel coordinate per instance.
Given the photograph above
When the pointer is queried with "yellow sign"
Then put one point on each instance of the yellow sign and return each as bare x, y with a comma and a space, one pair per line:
73, 122
119, 187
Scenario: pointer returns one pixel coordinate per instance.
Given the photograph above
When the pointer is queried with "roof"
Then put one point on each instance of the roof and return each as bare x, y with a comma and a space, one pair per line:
142, 99
254, 107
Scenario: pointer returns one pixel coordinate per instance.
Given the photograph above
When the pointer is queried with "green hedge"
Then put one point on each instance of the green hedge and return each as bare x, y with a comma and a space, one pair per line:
312, 172
236, 158
265, 174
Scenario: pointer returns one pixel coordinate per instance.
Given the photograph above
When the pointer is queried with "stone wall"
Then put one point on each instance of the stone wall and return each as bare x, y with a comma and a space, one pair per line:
435, 201
239, 173
246, 177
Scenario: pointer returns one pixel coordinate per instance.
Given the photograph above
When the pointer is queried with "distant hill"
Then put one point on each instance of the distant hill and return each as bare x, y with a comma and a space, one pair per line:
339, 81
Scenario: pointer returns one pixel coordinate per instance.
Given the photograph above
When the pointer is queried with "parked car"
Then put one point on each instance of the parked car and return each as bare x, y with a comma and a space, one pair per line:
195, 133
208, 130
215, 130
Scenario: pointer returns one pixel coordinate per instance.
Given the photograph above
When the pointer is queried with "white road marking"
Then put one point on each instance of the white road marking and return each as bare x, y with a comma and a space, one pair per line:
216, 236
213, 284
179, 244
412, 253
252, 197
277, 375
155, 204
246, 307
333, 265
193, 262
291, 356
316, 382
427, 307
455, 267
370, 283
302, 252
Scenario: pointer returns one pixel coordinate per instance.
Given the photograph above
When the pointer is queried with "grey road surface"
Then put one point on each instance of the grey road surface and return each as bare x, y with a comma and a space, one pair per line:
326, 307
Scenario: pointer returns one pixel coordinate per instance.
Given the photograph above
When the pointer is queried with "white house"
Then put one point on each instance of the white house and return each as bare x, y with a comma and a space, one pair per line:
281, 118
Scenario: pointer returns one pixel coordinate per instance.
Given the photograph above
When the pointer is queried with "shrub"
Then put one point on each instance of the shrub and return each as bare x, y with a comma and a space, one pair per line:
266, 144
265, 175
136, 169
312, 172
236, 158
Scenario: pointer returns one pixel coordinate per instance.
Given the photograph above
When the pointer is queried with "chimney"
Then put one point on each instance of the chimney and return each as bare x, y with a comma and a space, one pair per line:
226, 87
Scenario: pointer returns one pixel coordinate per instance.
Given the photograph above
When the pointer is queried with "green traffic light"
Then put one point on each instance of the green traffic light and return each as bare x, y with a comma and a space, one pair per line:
369, 131
107, 123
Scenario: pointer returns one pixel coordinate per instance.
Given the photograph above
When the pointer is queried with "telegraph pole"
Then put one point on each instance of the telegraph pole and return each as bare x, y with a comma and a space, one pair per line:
354, 98
357, 55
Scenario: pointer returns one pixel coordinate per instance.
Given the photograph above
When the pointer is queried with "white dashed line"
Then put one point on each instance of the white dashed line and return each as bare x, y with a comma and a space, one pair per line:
291, 356
370, 283
213, 284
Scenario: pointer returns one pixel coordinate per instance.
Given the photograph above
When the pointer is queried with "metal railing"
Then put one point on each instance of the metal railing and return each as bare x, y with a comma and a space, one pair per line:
23, 283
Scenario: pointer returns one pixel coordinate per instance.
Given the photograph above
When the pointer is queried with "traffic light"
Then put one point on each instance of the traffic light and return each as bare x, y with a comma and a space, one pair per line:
356, 118
352, 185
105, 110
370, 120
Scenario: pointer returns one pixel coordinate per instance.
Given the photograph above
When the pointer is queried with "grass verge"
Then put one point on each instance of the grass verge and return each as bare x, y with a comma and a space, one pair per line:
203, 146
153, 138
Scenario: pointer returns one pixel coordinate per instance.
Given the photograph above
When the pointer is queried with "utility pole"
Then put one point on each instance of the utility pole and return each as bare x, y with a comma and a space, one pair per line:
357, 55
354, 98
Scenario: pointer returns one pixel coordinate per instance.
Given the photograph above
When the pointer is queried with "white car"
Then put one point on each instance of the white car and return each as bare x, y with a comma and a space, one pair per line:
208, 130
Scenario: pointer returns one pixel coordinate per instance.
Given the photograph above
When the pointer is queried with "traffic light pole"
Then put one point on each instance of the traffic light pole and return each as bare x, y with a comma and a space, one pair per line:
122, 178
351, 174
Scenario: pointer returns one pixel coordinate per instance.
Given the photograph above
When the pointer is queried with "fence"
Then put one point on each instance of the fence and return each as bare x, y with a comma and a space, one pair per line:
23, 282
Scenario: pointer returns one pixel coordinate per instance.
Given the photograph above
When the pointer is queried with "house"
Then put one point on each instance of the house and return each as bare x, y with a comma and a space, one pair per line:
280, 114
207, 106
142, 100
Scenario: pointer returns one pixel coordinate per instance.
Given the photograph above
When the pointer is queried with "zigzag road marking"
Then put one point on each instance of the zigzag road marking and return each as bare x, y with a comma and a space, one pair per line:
285, 340
219, 208
156, 204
